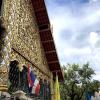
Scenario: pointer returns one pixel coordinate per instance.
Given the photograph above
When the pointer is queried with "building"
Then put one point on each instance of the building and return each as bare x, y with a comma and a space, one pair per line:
27, 39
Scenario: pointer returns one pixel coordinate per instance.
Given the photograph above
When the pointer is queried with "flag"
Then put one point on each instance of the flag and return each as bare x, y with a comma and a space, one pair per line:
49, 92
46, 90
31, 78
41, 89
57, 90
88, 96
37, 90
36, 87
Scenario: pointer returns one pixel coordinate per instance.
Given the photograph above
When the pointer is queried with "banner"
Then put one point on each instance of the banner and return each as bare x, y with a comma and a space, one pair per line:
57, 90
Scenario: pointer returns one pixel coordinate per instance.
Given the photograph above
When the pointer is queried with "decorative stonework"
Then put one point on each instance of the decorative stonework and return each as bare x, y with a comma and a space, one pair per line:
4, 56
23, 35
22, 61
21, 24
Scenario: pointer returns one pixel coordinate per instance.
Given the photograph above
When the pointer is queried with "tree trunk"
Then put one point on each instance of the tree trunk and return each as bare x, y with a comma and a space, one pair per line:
78, 98
72, 97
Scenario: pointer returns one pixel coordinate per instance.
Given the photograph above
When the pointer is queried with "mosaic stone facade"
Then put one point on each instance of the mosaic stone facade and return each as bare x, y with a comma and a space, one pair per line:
23, 34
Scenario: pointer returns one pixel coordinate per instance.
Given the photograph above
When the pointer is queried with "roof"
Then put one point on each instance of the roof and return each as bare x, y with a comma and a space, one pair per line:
46, 37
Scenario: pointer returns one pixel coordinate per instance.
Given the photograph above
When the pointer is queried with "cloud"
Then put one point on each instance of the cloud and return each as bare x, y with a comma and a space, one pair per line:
93, 1
97, 76
73, 21
93, 38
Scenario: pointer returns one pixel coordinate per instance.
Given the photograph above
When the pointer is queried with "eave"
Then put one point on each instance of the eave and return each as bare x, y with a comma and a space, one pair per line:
47, 38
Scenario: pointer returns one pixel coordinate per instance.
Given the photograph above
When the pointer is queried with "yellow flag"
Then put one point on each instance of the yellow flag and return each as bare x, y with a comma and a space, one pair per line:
57, 90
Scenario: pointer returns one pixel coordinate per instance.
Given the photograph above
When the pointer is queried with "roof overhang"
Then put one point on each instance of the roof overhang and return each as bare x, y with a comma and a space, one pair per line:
47, 38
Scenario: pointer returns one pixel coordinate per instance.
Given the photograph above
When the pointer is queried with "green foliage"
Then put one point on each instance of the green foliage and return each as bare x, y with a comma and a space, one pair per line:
78, 82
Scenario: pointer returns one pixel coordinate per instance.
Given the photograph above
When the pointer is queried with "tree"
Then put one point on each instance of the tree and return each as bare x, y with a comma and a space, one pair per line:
78, 82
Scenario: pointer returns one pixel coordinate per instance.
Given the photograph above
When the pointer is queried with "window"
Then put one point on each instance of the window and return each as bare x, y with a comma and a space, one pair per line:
1, 6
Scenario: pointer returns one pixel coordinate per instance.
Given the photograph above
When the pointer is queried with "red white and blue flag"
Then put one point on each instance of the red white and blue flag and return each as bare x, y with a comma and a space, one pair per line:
36, 87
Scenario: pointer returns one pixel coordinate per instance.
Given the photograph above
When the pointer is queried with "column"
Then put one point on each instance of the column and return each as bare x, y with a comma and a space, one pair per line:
4, 56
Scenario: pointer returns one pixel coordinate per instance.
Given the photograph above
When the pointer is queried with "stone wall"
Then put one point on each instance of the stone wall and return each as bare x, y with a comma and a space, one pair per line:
22, 30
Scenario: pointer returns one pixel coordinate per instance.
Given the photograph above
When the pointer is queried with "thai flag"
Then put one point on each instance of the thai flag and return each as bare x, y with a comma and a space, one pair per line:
36, 87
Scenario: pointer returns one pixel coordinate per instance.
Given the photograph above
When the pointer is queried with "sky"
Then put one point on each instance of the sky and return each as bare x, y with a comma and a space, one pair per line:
76, 31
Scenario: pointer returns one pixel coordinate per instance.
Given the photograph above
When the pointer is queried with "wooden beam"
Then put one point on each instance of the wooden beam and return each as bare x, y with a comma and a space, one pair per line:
51, 62
44, 26
39, 9
53, 51
44, 30
47, 41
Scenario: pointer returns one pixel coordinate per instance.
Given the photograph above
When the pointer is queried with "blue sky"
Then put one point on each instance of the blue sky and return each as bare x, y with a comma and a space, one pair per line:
76, 31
